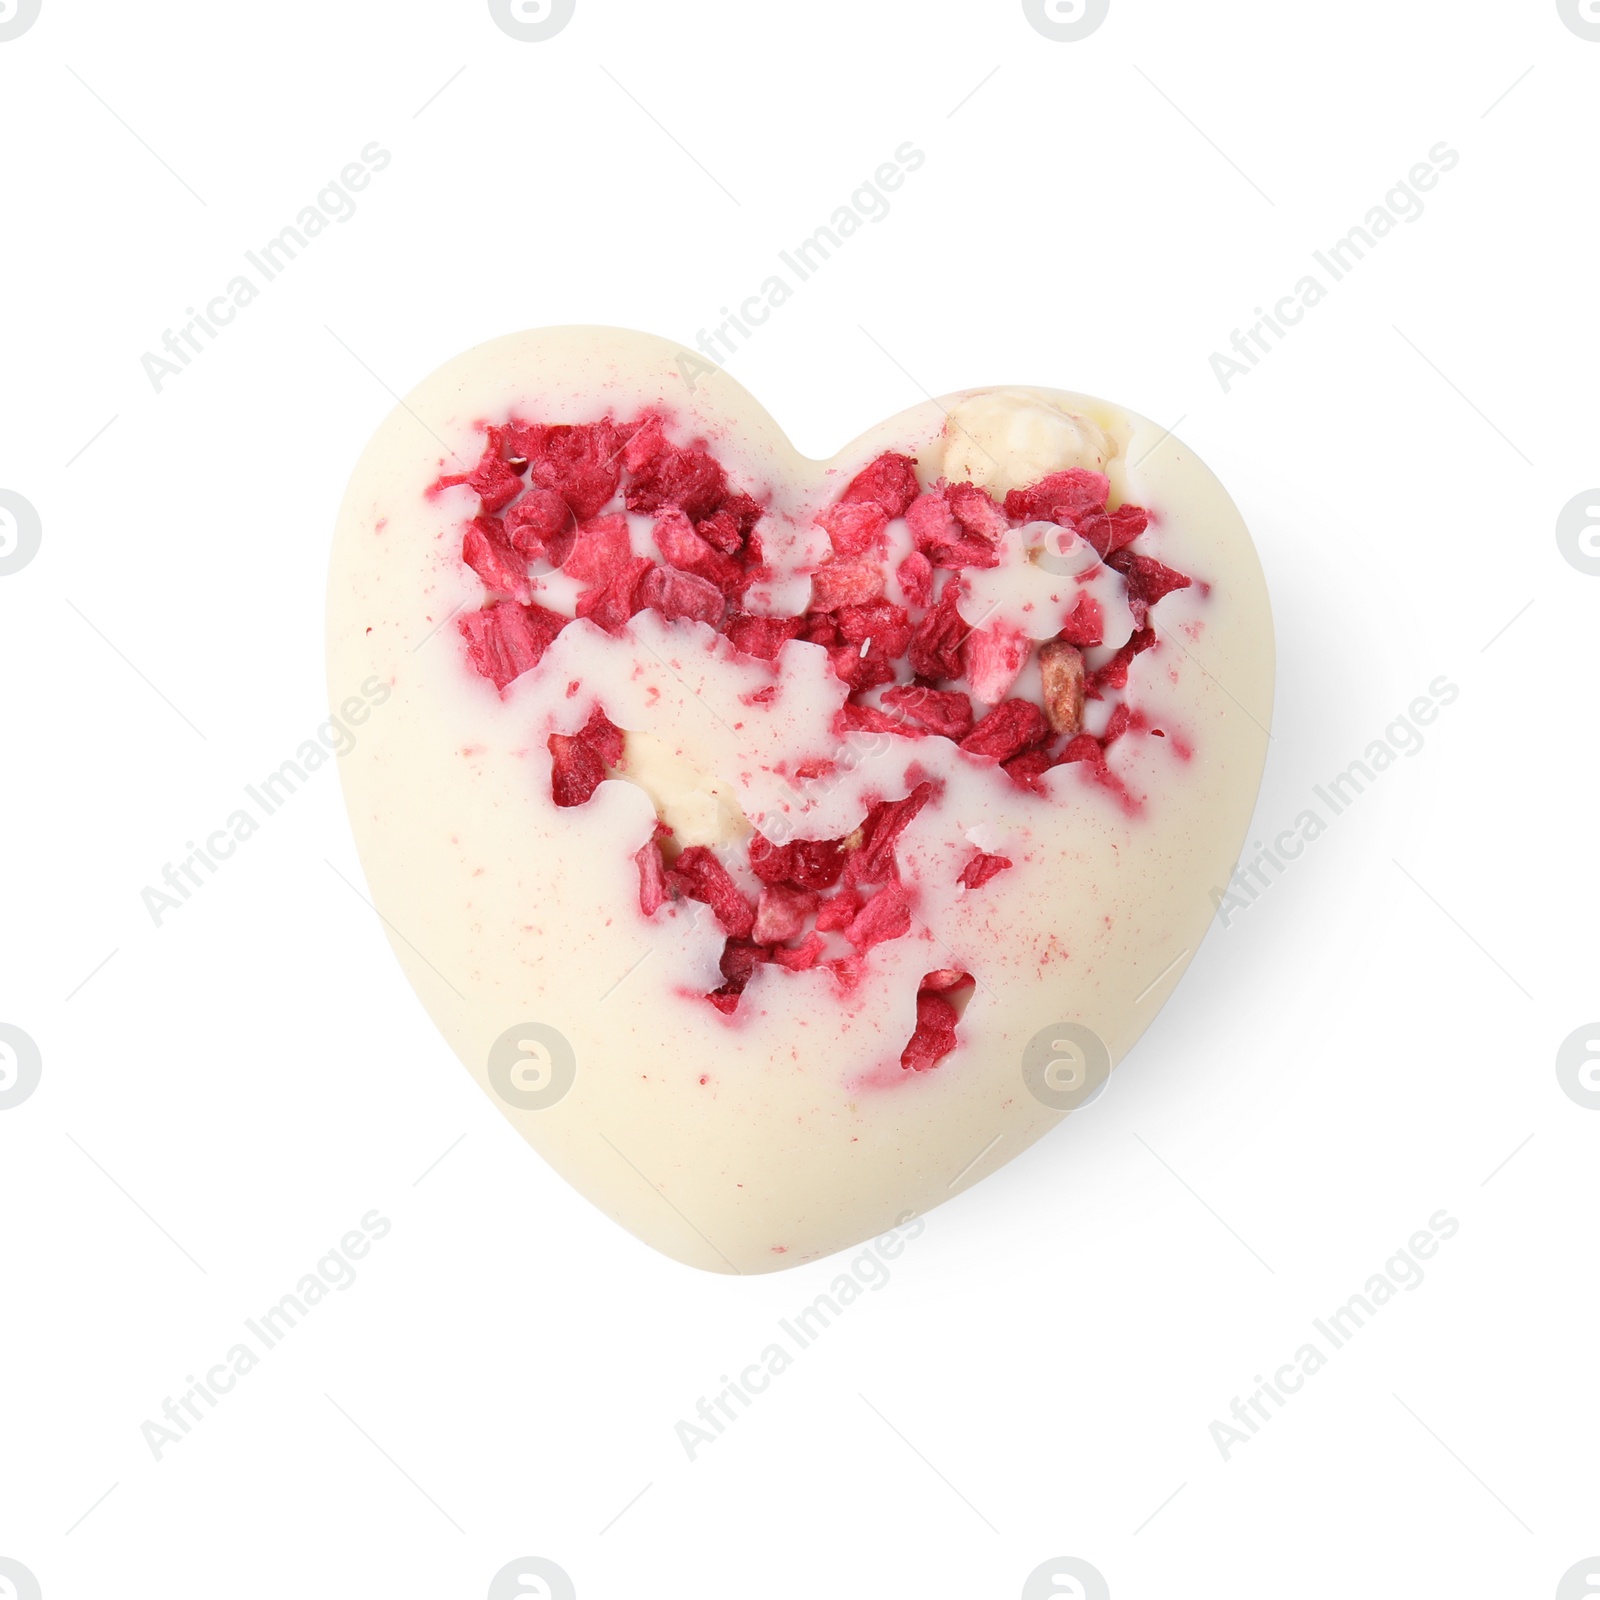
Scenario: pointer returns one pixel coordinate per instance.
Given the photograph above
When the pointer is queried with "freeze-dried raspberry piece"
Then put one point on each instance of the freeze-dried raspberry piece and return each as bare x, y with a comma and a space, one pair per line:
653, 891
873, 861
1086, 625
1028, 768
505, 639
1146, 578
496, 483
945, 711
1116, 725
1061, 677
819, 627
836, 914
1114, 674
852, 718
1062, 497
993, 657
578, 761
804, 863
763, 636
980, 868
745, 509
680, 594
1111, 531
803, 956
610, 604
861, 670
1083, 748
537, 521
845, 583
721, 531
1010, 728
847, 971
944, 980
678, 542
698, 874
485, 549
688, 552
646, 440
691, 480
890, 481
770, 862
936, 644
979, 515
600, 549
942, 539
729, 529
887, 915
781, 913
604, 737
880, 623
916, 579
740, 958
580, 463
931, 520
966, 553
520, 442
935, 1035
854, 528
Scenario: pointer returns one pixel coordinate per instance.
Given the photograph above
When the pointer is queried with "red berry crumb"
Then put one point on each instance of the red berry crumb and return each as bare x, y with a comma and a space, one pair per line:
599, 549
536, 521
1010, 728
485, 548
578, 761
935, 1035
681, 594
804, 863
890, 481
887, 915
943, 711
496, 483
916, 579
505, 639
981, 868
873, 861
580, 463
936, 643
1061, 497
610, 603
653, 891
699, 875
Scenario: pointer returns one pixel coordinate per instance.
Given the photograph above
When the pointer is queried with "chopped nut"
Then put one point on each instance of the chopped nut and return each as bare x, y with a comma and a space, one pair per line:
1061, 673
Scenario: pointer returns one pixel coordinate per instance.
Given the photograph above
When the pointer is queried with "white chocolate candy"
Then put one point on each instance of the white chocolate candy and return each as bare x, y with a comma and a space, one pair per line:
787, 1127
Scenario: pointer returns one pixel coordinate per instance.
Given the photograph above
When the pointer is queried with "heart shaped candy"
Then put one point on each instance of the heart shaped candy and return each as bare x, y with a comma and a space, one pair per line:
785, 845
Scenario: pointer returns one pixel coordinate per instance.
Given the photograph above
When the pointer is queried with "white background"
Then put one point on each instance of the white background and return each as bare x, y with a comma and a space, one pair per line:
1371, 1041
